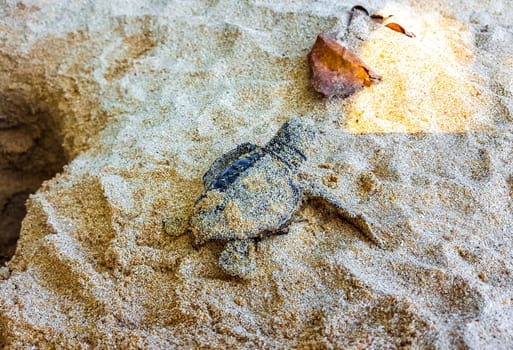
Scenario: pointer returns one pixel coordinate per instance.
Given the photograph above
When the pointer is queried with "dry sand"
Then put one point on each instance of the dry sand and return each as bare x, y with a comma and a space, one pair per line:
141, 97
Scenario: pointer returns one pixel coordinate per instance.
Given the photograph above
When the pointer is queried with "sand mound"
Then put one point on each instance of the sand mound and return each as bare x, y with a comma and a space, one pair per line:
140, 97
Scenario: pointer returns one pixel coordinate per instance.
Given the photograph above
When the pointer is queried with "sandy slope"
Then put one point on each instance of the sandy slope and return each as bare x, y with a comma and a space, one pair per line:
144, 96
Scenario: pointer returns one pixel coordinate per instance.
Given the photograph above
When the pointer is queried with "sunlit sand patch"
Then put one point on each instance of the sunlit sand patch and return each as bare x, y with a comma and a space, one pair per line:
428, 83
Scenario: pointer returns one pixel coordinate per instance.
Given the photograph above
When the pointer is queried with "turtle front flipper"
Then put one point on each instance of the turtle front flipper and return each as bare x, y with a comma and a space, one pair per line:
223, 162
360, 221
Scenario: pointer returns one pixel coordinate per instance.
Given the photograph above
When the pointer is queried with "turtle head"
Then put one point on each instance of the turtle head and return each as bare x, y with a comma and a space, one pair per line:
294, 142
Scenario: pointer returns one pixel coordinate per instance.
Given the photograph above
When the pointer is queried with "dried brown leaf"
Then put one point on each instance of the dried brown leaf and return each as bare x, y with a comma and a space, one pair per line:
359, 7
354, 13
400, 29
336, 71
380, 18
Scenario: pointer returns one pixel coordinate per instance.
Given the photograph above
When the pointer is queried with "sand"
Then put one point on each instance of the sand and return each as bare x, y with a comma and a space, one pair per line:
125, 104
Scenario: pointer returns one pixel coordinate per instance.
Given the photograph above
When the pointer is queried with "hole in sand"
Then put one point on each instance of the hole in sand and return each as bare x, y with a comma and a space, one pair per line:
30, 153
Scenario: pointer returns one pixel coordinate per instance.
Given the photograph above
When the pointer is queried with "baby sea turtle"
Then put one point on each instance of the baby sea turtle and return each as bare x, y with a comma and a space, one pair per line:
252, 192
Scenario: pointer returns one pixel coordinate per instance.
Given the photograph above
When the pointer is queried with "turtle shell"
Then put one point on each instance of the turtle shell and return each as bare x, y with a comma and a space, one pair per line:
254, 196
219, 168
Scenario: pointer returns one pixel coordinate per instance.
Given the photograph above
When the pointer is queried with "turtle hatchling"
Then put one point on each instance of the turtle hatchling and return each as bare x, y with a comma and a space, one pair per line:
252, 192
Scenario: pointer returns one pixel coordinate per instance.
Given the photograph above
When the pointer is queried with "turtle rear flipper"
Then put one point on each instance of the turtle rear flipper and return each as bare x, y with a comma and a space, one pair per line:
238, 258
